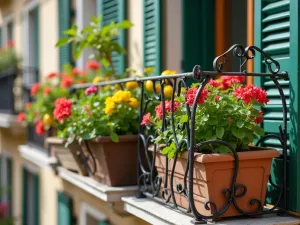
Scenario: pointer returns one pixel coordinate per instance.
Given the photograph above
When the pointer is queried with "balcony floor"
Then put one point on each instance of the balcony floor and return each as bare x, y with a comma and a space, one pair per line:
155, 213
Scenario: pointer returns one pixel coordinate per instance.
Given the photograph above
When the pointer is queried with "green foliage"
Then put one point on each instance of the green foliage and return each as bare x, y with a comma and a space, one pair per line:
8, 59
101, 39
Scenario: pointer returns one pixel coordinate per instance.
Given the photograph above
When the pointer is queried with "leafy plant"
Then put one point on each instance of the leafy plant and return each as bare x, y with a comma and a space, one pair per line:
225, 110
8, 57
101, 39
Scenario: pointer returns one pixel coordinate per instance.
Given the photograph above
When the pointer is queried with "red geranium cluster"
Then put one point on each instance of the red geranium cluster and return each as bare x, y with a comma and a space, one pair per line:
214, 83
191, 94
168, 108
146, 119
34, 89
51, 75
92, 65
62, 109
39, 128
66, 81
259, 119
47, 91
21, 117
251, 93
228, 81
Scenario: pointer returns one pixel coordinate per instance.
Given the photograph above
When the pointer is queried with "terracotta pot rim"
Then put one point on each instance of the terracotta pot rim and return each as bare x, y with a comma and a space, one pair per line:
256, 153
122, 138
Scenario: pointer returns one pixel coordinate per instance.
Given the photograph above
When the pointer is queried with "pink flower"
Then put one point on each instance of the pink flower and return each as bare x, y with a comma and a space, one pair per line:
85, 108
146, 119
90, 90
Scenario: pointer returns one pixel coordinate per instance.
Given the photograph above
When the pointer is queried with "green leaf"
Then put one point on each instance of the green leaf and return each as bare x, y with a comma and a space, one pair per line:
63, 41
184, 118
222, 149
238, 133
240, 124
114, 137
125, 24
166, 150
258, 130
105, 62
71, 32
220, 132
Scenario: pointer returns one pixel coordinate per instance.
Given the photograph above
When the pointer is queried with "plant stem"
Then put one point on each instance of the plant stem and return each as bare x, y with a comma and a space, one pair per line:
112, 65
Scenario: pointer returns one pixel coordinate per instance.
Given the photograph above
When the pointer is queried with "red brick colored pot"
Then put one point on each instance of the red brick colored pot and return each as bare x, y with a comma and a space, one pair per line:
116, 162
213, 173
67, 157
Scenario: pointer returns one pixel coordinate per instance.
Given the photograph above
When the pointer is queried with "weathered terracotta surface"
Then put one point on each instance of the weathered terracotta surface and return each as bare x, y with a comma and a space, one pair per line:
116, 161
67, 157
213, 173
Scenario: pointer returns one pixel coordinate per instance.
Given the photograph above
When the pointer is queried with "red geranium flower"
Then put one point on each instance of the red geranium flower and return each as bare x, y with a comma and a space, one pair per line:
168, 108
75, 71
259, 119
40, 129
90, 90
27, 105
62, 109
47, 91
228, 81
83, 73
66, 81
146, 119
51, 75
191, 94
34, 89
214, 83
251, 92
92, 65
10, 44
21, 117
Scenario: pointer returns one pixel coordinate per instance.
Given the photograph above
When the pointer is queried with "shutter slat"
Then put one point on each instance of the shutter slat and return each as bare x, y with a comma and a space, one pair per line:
277, 37
277, 26
277, 16
276, 6
277, 48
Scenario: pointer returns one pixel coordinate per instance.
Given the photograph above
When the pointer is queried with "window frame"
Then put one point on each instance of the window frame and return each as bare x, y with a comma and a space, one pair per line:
86, 209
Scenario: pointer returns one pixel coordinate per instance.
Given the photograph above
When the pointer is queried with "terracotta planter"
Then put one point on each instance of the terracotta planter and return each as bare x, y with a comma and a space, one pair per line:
213, 173
68, 157
116, 162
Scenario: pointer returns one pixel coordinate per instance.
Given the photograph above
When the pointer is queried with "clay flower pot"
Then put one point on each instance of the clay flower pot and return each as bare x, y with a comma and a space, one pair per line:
116, 162
213, 173
68, 157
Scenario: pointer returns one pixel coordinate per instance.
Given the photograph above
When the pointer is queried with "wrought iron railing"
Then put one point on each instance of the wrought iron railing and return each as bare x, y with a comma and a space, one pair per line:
7, 97
30, 76
162, 188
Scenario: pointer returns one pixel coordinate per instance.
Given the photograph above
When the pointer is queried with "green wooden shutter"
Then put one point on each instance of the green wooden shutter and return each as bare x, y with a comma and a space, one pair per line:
36, 38
64, 20
152, 35
276, 33
114, 10
64, 209
198, 34
24, 197
10, 185
10, 31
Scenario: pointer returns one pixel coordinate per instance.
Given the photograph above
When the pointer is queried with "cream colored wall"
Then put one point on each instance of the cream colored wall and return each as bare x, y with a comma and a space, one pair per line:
135, 35
48, 37
113, 211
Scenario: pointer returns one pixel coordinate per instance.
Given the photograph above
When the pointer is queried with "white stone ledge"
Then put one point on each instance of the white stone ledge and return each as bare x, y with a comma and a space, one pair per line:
158, 214
36, 156
101, 191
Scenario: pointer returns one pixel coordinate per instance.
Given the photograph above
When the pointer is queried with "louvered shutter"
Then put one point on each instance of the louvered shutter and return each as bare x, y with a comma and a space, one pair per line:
10, 34
36, 38
114, 10
64, 209
276, 32
152, 34
64, 23
198, 34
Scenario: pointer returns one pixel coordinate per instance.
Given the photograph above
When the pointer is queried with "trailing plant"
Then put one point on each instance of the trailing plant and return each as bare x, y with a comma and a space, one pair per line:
226, 110
8, 57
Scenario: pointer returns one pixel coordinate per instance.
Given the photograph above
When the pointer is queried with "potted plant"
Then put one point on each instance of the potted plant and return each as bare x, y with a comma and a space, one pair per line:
40, 113
226, 111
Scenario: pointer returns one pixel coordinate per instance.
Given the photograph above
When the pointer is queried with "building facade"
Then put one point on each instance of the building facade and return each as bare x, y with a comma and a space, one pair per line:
167, 34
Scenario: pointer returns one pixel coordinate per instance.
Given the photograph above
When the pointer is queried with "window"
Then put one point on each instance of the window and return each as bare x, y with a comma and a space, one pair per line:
7, 32
30, 197
6, 181
84, 11
91, 216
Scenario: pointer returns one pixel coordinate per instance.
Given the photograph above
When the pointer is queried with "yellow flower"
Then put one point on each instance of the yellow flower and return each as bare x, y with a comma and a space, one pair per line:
109, 106
132, 85
96, 79
168, 90
121, 96
149, 70
133, 102
168, 72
